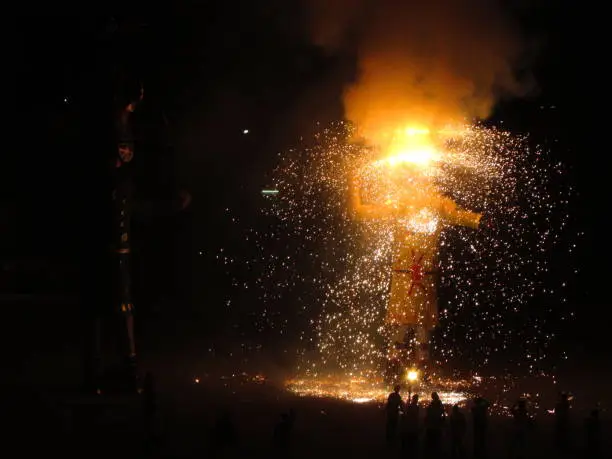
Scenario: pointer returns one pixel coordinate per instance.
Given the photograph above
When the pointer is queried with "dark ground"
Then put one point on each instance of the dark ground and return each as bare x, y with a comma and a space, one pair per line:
58, 423
49, 417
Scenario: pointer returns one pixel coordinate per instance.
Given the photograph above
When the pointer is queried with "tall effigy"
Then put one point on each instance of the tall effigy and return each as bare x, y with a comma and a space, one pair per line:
399, 187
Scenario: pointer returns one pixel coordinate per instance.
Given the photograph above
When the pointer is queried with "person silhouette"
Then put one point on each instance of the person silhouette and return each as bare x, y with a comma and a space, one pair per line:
410, 428
521, 427
224, 434
434, 421
593, 435
149, 402
282, 434
562, 430
480, 421
458, 426
393, 407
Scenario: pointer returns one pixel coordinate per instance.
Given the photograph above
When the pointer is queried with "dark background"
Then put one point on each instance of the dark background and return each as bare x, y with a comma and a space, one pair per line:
212, 71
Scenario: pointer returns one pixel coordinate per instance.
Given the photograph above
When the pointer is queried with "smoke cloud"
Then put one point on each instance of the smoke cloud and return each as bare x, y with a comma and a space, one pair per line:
428, 63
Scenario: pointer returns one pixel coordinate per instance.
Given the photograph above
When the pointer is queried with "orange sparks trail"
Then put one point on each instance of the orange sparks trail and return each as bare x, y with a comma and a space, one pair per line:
341, 266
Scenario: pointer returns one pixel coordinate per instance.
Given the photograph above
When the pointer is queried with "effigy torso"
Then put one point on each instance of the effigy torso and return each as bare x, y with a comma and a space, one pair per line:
412, 296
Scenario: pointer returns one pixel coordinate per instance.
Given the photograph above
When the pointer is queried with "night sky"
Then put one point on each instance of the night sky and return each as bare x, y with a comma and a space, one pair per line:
209, 73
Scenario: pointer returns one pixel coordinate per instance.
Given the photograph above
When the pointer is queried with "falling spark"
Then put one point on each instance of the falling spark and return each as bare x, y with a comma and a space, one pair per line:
340, 267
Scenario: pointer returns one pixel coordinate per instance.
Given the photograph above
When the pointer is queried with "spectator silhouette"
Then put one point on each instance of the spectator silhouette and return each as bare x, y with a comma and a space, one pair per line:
562, 430
149, 401
521, 425
410, 428
480, 421
393, 407
458, 426
224, 432
593, 435
292, 417
434, 421
282, 434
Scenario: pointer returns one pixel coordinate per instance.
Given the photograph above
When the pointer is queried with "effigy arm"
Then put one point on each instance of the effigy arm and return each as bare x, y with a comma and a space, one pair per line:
455, 215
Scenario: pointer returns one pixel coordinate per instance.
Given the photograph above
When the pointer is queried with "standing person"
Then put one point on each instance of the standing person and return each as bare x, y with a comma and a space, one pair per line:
458, 426
522, 421
480, 420
393, 407
593, 435
434, 421
562, 430
149, 402
282, 435
410, 429
224, 431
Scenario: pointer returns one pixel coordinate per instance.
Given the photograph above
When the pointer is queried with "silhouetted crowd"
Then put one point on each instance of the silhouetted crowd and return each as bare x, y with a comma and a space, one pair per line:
428, 431
425, 436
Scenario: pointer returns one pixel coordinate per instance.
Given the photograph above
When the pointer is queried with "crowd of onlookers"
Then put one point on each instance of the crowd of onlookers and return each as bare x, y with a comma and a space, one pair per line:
430, 430
424, 435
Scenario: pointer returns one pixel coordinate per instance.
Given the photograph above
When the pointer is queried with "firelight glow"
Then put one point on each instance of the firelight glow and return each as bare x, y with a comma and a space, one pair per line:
484, 274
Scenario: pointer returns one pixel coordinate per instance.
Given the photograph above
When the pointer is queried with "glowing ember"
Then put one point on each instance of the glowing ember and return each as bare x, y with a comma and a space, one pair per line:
364, 390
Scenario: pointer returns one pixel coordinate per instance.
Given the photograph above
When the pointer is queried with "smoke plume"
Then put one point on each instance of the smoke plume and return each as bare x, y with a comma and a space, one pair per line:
425, 64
